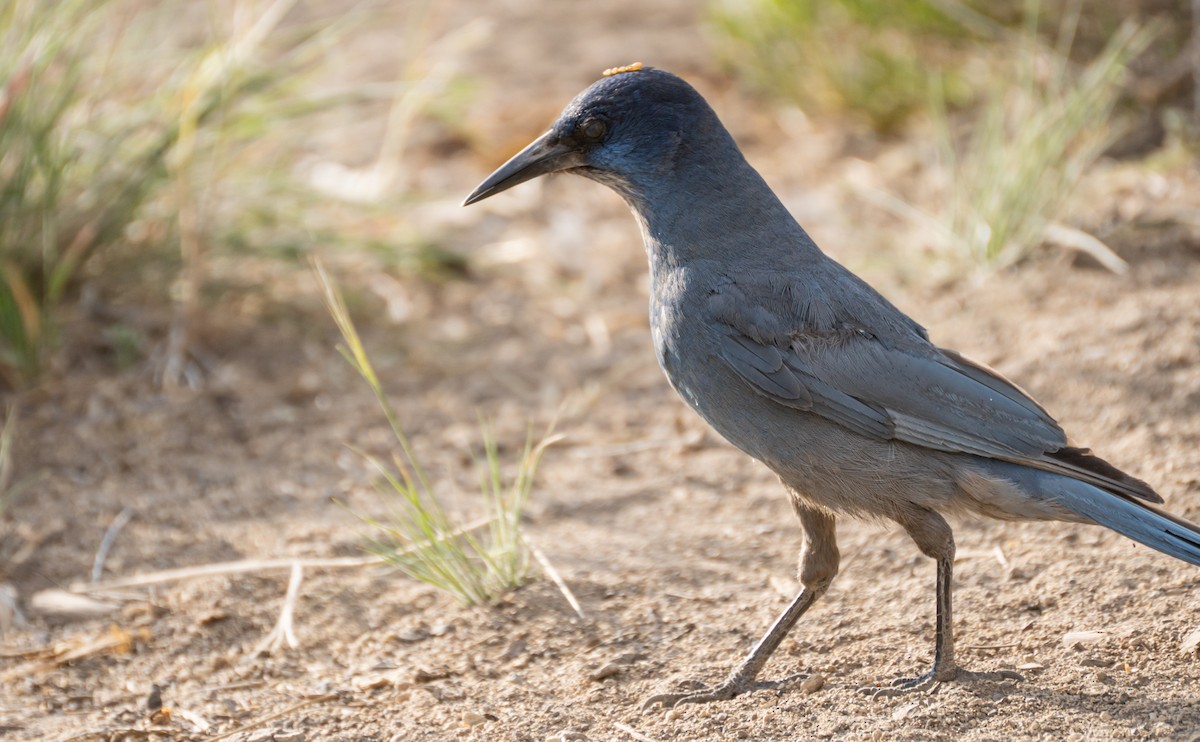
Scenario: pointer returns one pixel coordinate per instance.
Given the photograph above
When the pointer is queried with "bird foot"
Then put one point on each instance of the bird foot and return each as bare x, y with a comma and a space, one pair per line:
932, 680
732, 687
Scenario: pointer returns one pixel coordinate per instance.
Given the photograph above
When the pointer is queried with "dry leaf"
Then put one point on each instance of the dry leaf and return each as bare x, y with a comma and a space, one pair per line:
1078, 638
1191, 641
63, 604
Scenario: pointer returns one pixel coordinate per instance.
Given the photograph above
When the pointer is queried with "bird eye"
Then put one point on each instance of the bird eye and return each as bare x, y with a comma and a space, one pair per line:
593, 129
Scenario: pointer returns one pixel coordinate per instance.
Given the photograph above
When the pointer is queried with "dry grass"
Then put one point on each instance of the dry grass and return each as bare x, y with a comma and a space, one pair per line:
420, 536
1037, 131
133, 153
867, 60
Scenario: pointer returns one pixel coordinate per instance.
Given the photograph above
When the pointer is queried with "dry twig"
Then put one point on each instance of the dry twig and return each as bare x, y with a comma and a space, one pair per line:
223, 568
115, 640
554, 576
633, 732
284, 632
324, 697
106, 544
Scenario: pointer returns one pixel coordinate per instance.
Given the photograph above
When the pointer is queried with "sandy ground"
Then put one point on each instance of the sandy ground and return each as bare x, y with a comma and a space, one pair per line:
680, 549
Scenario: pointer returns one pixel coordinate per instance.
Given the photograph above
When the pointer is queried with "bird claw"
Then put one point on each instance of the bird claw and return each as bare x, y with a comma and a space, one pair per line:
723, 692
932, 680
902, 686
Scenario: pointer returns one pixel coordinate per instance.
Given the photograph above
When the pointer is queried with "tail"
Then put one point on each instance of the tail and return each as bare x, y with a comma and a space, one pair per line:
1135, 519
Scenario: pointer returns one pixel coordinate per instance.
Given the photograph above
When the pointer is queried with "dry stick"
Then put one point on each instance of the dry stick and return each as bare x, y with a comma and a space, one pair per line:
223, 568
633, 732
255, 565
272, 717
284, 633
1000, 557
554, 576
106, 544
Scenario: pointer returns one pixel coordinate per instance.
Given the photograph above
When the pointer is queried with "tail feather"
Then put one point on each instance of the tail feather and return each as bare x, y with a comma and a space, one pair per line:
1135, 519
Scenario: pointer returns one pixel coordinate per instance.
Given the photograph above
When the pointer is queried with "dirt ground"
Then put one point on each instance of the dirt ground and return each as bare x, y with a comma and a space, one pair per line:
679, 548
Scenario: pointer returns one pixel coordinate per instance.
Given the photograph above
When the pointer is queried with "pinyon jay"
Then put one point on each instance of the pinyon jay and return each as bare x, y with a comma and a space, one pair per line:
802, 365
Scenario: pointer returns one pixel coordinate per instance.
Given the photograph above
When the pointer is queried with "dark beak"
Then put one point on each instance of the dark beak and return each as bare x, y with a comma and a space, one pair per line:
544, 155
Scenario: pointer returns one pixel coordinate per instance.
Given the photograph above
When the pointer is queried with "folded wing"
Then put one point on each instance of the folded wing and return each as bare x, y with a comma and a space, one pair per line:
907, 391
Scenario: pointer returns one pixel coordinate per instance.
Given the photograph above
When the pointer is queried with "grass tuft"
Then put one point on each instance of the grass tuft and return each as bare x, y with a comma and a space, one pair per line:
475, 562
871, 60
1037, 131
144, 146
49, 218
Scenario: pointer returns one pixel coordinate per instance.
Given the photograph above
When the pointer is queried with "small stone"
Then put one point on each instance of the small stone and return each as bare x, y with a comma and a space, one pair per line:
472, 719
421, 675
411, 636
903, 712
812, 684
515, 650
385, 679
289, 737
211, 616
1191, 642
612, 668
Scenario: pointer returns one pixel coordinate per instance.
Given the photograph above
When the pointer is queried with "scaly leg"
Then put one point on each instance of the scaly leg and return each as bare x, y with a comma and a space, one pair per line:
934, 538
818, 566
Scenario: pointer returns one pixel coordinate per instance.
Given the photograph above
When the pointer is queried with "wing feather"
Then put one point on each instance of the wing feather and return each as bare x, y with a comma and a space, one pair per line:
908, 391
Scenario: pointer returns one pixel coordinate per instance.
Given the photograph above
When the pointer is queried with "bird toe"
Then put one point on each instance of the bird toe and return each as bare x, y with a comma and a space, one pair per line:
933, 680
723, 692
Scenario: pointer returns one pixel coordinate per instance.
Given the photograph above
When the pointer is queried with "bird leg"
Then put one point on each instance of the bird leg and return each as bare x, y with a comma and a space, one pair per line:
936, 540
818, 566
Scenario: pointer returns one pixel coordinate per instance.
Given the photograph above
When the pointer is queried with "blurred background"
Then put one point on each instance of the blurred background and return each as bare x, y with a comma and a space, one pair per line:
174, 160
1021, 176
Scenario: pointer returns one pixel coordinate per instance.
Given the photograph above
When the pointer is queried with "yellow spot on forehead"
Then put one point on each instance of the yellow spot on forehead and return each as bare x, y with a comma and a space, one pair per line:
621, 70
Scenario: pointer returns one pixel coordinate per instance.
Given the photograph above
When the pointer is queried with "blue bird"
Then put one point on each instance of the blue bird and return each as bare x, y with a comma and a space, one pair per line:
803, 366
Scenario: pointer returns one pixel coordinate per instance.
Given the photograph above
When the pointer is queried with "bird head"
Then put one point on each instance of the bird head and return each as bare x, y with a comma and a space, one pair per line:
626, 130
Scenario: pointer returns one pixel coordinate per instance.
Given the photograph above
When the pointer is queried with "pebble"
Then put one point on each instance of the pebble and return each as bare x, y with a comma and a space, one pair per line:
472, 718
612, 668
812, 684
